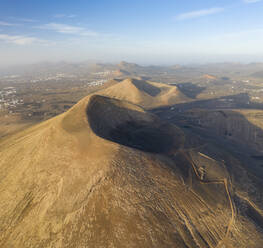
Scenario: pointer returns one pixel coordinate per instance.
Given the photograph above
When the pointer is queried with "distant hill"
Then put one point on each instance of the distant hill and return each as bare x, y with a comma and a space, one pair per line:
209, 77
145, 93
125, 65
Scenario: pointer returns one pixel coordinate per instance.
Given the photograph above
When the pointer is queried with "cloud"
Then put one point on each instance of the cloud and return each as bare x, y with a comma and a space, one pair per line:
25, 20
7, 24
64, 16
68, 29
199, 13
20, 40
251, 1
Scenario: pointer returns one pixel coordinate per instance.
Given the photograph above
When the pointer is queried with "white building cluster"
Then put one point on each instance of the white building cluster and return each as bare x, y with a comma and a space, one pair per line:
8, 98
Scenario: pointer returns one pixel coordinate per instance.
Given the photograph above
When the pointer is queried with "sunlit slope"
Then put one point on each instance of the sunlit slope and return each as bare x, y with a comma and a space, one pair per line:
145, 93
108, 174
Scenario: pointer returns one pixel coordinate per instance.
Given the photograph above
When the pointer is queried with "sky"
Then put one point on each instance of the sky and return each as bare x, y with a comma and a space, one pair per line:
140, 31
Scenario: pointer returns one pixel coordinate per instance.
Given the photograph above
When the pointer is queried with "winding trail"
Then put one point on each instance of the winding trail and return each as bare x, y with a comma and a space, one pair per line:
226, 185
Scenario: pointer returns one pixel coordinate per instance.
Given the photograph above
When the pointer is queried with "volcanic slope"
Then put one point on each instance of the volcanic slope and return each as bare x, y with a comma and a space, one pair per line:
146, 94
108, 174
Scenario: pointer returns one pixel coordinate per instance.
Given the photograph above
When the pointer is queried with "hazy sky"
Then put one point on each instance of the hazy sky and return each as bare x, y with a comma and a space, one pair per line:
142, 31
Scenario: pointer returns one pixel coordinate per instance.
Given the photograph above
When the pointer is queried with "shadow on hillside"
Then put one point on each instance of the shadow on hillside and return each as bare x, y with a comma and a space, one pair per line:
190, 90
147, 88
222, 120
227, 129
232, 133
129, 127
244, 135
239, 101
142, 136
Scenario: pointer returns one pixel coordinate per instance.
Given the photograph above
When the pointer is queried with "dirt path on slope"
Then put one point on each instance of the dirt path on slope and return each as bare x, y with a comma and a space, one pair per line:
226, 185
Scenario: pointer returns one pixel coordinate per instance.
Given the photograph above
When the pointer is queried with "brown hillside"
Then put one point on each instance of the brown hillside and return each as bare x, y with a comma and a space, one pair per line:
121, 73
145, 93
108, 174
208, 76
